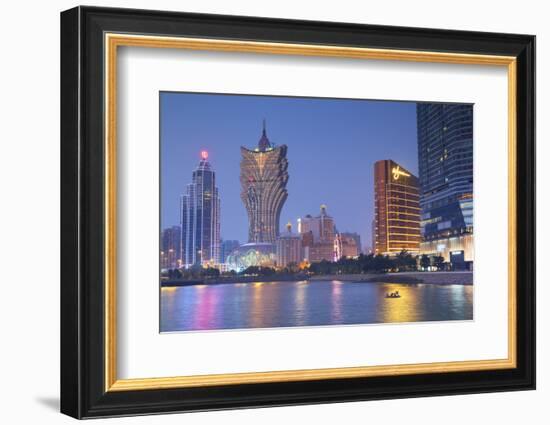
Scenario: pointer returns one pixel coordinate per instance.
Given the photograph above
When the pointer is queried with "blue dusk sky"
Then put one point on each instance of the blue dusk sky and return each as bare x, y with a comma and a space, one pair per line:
332, 147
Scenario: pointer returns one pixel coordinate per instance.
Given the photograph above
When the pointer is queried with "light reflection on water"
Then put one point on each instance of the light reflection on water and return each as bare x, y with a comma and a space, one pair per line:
287, 304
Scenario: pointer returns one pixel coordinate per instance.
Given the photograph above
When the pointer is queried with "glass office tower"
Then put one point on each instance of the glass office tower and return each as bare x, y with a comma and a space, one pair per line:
200, 217
445, 163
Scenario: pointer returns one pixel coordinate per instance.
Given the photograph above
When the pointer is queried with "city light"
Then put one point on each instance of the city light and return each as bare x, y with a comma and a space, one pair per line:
319, 273
397, 171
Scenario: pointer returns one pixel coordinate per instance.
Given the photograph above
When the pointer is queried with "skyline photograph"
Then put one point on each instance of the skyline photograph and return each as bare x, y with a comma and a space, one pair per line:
296, 211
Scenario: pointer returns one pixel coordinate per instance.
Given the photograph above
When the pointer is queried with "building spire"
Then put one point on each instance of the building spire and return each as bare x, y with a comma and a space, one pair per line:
264, 143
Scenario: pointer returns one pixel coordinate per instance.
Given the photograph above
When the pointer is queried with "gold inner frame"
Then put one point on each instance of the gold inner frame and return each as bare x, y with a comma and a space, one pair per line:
113, 41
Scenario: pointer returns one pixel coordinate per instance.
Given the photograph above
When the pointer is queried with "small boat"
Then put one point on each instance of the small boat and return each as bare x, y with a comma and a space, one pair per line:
393, 295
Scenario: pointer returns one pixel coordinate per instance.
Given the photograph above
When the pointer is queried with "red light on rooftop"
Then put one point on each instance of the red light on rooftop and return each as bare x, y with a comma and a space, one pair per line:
204, 155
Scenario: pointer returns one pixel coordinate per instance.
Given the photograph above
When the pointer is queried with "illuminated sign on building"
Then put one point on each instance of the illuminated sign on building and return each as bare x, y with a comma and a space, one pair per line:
397, 171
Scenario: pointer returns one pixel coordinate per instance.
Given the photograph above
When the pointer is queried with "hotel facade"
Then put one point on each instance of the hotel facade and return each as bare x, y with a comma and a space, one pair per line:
396, 209
445, 163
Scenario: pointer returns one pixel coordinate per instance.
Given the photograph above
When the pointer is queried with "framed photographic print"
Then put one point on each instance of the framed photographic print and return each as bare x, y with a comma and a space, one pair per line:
261, 212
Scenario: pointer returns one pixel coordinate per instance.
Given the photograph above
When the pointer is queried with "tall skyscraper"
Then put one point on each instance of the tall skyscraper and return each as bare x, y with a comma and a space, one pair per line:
289, 248
170, 257
445, 162
200, 217
396, 209
263, 178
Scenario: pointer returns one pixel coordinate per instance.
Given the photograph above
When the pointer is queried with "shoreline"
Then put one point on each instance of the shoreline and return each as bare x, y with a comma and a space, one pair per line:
234, 279
431, 278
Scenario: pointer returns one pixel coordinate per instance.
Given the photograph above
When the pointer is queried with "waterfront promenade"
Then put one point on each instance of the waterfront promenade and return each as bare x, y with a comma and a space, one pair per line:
439, 278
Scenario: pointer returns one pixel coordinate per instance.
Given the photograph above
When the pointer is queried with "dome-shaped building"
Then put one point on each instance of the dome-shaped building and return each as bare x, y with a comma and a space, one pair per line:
252, 254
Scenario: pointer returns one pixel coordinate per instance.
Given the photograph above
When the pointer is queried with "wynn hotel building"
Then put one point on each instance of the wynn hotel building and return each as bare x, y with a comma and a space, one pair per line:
396, 209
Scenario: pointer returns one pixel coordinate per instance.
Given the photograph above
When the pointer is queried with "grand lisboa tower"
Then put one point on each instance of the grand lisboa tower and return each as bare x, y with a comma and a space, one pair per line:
264, 175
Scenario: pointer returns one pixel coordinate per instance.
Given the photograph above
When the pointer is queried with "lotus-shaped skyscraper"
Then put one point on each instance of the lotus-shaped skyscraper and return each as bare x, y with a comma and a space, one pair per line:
264, 175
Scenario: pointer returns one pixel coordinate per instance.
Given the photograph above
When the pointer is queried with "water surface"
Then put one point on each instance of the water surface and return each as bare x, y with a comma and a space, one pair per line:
309, 303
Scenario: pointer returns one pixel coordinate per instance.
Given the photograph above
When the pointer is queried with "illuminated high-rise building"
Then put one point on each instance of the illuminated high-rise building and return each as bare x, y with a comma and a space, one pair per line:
200, 217
396, 209
264, 175
445, 163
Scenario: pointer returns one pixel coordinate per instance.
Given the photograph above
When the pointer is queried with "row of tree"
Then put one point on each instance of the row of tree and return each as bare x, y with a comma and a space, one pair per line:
371, 263
194, 273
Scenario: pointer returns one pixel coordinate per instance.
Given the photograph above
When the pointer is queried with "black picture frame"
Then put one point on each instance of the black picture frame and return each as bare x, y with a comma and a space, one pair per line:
82, 219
